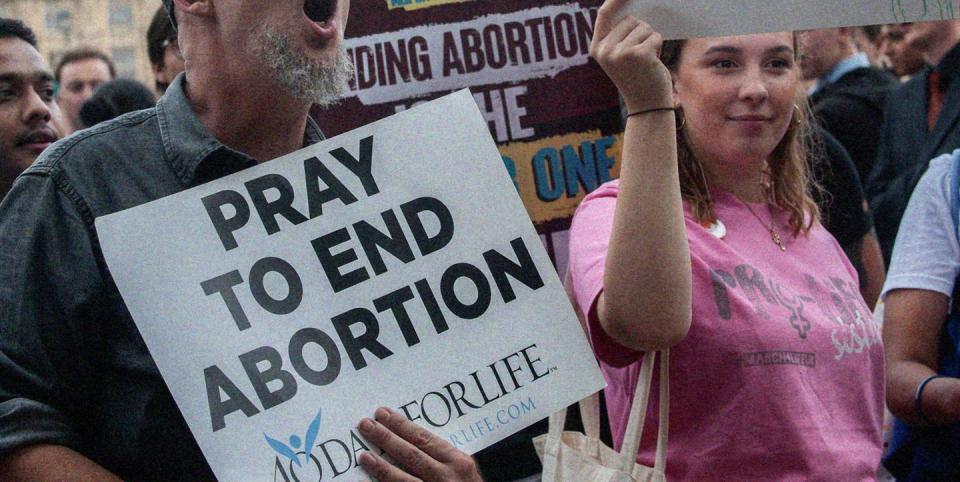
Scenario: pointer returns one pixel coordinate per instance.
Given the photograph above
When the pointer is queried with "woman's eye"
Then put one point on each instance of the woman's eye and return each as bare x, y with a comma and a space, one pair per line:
779, 64
724, 64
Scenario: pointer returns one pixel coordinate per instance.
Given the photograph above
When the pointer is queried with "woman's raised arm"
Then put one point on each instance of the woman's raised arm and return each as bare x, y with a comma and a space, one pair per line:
646, 303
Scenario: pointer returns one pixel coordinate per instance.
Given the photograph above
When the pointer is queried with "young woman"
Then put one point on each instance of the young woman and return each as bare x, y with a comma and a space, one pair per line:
710, 244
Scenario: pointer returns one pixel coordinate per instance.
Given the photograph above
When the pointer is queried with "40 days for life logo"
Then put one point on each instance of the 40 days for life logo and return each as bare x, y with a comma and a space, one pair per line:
295, 460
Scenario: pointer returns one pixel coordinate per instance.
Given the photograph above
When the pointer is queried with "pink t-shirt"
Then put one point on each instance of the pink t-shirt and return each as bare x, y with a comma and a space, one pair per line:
781, 374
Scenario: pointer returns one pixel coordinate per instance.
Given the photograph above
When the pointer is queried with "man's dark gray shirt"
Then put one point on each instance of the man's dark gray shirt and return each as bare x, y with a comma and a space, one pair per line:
74, 370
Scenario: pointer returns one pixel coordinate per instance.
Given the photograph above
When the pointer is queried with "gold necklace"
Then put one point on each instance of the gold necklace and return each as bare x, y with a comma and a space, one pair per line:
774, 235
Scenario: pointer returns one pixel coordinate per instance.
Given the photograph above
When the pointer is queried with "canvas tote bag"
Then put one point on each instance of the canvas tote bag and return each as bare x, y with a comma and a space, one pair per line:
569, 456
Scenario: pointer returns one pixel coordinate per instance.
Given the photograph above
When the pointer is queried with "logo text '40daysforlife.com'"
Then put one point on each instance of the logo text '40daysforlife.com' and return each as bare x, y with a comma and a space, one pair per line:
304, 459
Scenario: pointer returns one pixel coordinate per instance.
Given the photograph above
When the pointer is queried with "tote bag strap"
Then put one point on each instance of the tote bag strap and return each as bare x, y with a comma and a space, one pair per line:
638, 411
589, 406
663, 420
589, 413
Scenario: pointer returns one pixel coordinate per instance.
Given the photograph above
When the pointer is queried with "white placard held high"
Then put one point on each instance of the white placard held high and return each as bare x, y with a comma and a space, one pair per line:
676, 19
392, 265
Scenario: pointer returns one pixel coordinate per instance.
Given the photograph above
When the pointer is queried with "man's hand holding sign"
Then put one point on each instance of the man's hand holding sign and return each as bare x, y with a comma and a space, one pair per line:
421, 453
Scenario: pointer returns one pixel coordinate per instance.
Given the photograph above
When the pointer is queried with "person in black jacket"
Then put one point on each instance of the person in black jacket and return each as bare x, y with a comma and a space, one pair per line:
849, 93
845, 213
920, 122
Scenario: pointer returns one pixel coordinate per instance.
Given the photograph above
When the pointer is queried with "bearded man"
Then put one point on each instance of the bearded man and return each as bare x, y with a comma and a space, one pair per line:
80, 396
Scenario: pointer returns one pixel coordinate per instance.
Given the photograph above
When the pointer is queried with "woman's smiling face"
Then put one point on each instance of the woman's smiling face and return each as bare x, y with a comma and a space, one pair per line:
737, 95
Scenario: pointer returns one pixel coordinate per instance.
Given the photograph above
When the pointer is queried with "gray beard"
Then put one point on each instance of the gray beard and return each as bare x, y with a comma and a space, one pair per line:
305, 80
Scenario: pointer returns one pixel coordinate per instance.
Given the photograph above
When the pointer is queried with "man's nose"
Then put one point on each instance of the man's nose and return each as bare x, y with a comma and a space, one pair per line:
88, 90
36, 110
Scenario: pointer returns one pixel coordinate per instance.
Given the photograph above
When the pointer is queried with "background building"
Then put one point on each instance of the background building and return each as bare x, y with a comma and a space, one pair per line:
118, 27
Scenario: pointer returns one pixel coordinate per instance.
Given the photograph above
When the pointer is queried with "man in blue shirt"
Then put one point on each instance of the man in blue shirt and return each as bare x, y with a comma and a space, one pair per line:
28, 110
80, 396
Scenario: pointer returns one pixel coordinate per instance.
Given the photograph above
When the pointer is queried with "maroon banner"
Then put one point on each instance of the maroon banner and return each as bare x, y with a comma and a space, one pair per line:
552, 111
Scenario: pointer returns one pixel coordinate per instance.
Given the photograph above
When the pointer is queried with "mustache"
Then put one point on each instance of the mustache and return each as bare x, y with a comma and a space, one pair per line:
43, 134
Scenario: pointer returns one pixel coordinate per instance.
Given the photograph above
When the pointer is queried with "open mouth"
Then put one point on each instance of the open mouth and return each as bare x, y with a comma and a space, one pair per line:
319, 10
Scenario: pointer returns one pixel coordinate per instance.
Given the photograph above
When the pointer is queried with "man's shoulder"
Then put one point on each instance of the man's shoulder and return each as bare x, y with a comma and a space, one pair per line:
109, 167
848, 110
868, 77
111, 144
865, 85
917, 85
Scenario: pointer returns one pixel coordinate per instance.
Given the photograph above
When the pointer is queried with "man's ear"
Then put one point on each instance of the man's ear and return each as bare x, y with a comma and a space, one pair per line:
199, 8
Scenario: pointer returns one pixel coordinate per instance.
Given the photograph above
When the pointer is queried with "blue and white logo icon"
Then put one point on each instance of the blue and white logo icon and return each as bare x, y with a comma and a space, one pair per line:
290, 451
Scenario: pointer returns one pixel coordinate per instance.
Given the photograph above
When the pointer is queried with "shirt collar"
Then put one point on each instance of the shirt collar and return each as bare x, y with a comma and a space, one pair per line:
843, 67
188, 144
949, 64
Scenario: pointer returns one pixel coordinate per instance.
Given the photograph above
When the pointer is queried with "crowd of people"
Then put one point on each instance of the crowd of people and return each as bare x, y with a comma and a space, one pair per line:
774, 190
81, 91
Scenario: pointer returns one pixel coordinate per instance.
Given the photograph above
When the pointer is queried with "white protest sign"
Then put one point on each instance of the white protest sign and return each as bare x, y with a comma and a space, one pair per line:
676, 19
445, 61
392, 265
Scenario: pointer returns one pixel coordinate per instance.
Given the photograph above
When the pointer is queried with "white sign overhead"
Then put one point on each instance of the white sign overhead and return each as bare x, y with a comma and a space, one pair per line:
392, 265
676, 19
